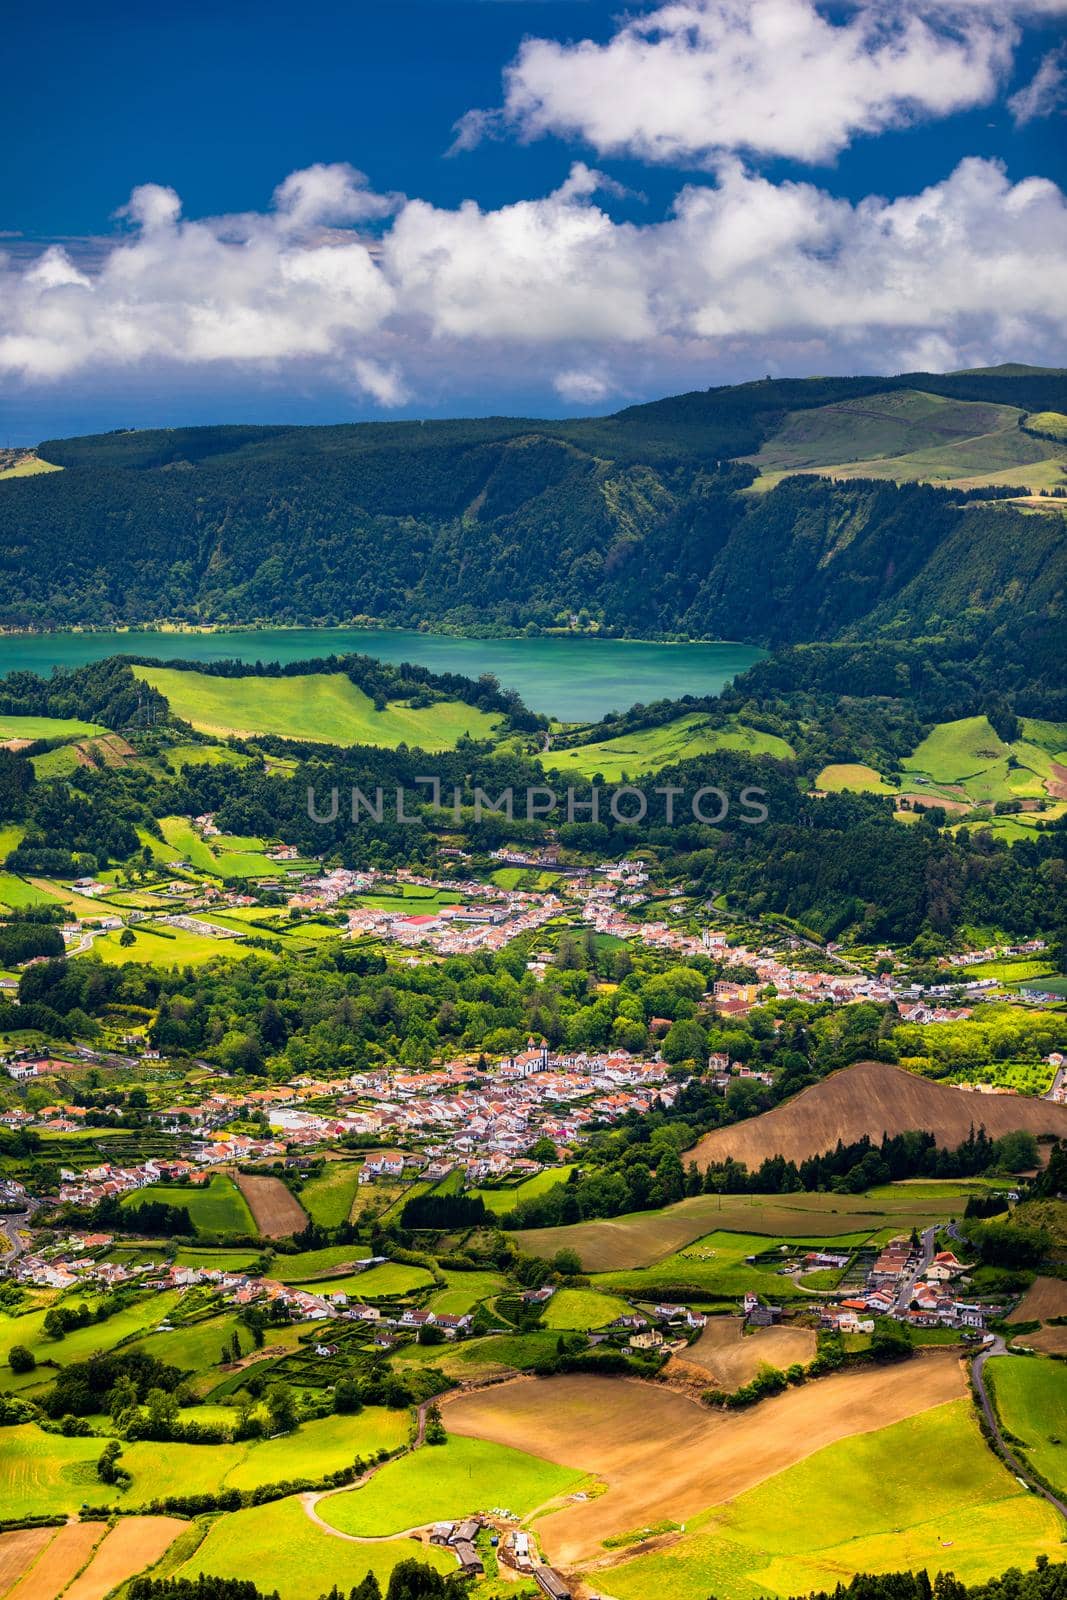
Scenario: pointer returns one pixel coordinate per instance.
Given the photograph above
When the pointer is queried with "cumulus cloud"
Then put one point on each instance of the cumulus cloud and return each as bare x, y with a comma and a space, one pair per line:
695, 78
581, 387
743, 275
1046, 91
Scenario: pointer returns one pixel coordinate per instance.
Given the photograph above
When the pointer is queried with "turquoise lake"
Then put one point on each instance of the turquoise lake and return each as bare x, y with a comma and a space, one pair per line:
576, 680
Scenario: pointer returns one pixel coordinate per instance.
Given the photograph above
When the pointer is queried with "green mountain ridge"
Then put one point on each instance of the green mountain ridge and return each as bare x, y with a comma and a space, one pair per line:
639, 522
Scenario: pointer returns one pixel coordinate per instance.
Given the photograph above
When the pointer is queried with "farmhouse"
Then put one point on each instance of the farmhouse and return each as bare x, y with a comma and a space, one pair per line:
552, 1584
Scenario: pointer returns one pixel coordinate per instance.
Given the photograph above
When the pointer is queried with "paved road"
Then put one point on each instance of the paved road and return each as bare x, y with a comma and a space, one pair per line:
1055, 1090
999, 1348
11, 1225
928, 1238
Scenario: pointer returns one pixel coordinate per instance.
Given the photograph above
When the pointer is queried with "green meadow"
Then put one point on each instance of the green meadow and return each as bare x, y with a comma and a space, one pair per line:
447, 1481
1031, 1398
630, 754
325, 707
582, 1309
16, 727
926, 1492
328, 1198
216, 1207
277, 1546
505, 1199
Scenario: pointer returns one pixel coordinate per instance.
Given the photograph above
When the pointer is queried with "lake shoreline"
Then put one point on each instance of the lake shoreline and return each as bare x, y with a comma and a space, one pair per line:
567, 676
363, 625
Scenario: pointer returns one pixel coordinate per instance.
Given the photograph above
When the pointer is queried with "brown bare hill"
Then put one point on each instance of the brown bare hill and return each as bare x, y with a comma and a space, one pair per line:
874, 1097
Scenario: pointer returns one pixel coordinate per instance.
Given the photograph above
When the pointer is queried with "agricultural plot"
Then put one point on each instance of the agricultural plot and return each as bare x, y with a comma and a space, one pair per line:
16, 727
65, 1554
277, 1546
482, 1358
664, 1455
216, 1207
582, 1309
888, 436
17, 894
309, 1264
464, 1291
169, 947
717, 1266
923, 1492
128, 1548
1031, 1398
733, 1358
639, 1238
180, 756
44, 1473
28, 1329
222, 858
648, 749
1046, 1298
328, 1198
500, 1201
320, 706
277, 1213
448, 1482
391, 1278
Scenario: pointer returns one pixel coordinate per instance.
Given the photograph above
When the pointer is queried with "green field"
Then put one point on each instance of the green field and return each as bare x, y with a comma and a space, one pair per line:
582, 1309
17, 894
15, 727
464, 1291
851, 775
644, 1238
29, 467
447, 1481
44, 1472
1031, 1399
174, 947
925, 1492
501, 1200
221, 857
216, 1207
322, 706
648, 749
277, 1546
308, 1264
715, 1266
28, 1329
328, 1198
888, 436
180, 756
392, 1278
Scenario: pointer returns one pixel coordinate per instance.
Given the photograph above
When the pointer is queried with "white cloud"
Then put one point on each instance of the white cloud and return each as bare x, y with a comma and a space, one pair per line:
1046, 91
695, 78
743, 276
581, 387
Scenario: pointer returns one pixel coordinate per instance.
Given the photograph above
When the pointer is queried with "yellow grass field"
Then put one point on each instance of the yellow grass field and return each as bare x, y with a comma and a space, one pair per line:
1046, 1298
664, 1455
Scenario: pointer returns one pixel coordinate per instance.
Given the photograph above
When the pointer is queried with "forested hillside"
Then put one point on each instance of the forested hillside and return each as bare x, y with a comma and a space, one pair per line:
639, 521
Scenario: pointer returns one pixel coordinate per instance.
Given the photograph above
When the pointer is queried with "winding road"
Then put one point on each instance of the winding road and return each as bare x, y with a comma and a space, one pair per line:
1007, 1455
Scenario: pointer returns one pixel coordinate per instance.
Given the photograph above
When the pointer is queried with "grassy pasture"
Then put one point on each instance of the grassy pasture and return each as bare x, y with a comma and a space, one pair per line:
277, 1546
1031, 1397
29, 467
176, 947
924, 1492
715, 1265
328, 1198
80, 1343
640, 1238
45, 1473
582, 1309
447, 1481
648, 749
17, 894
17, 727
180, 756
464, 1291
502, 1200
326, 707
852, 775
309, 1264
216, 1207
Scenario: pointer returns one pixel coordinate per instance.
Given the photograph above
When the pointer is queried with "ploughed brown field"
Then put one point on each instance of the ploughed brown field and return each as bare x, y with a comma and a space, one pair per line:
277, 1213
68, 1549
133, 1544
731, 1358
873, 1098
1051, 1341
1045, 1298
18, 1550
664, 1455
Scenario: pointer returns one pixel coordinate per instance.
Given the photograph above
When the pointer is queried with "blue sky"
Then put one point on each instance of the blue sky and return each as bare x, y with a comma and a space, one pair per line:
679, 196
